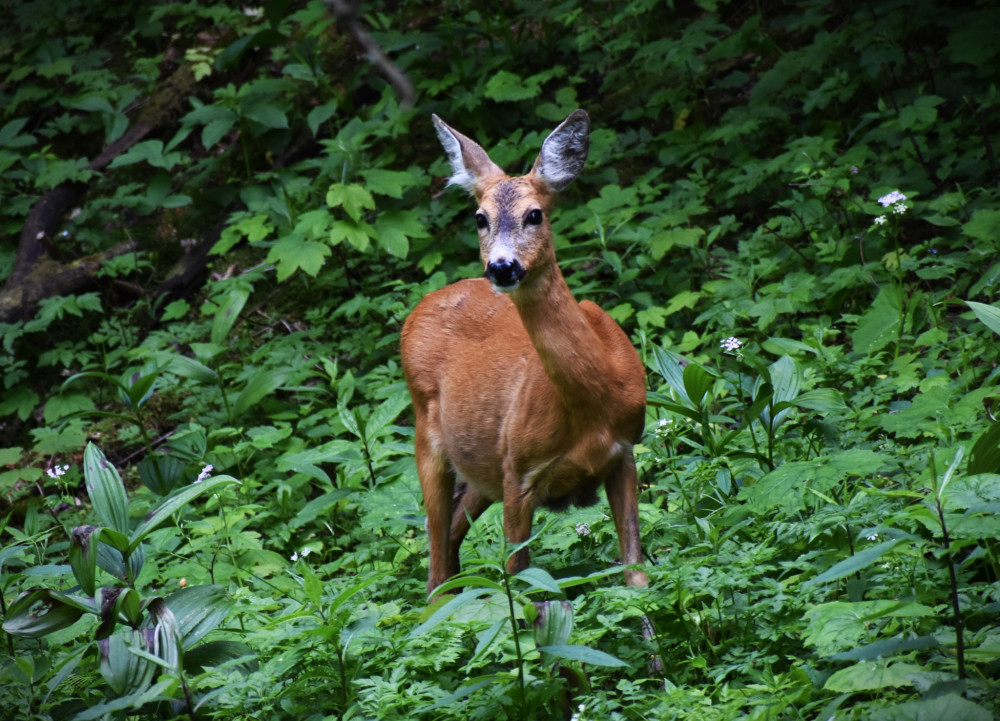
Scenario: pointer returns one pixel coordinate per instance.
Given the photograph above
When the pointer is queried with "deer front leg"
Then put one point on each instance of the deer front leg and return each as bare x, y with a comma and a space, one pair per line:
517, 513
437, 483
623, 488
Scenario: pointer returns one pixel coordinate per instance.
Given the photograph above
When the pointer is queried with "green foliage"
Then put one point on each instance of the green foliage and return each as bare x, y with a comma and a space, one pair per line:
791, 210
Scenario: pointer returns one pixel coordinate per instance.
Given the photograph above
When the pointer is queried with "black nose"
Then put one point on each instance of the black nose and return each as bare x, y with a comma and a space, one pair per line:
505, 273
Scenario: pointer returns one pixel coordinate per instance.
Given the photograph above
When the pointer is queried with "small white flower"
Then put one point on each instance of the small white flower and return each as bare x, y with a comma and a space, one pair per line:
731, 344
899, 209
873, 536
205, 473
56, 471
306, 551
880, 220
583, 529
891, 199
294, 556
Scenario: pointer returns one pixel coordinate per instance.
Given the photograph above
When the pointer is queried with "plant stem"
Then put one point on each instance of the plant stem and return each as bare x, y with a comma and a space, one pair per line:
953, 577
517, 642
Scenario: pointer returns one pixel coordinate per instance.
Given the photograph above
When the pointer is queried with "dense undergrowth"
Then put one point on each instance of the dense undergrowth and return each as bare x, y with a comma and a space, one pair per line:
791, 209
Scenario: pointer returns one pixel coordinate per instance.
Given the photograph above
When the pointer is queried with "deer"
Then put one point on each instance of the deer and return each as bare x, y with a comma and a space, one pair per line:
520, 393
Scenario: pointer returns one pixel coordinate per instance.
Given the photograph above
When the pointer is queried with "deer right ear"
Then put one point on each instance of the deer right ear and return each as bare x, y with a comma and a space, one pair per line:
470, 165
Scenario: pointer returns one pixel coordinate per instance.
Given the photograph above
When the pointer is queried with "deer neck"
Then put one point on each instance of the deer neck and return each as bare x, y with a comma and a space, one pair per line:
573, 355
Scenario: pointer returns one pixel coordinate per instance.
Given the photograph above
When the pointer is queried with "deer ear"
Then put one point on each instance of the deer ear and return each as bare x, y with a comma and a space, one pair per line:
564, 152
470, 165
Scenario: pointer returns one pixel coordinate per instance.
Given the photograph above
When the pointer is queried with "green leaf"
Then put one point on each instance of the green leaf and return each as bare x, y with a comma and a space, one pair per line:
697, 381
198, 611
985, 225
170, 505
190, 368
320, 114
385, 413
83, 556
989, 315
258, 387
353, 198
539, 578
387, 182
879, 326
853, 564
20, 400
872, 675
40, 611
216, 129
357, 234
923, 112
584, 654
506, 87
106, 491
394, 228
293, 252
228, 312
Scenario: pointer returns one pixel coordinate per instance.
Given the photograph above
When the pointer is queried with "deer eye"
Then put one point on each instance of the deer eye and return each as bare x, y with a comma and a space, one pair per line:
534, 217
481, 221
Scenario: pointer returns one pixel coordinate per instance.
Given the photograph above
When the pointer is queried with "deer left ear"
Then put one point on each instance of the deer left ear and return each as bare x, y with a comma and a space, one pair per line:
564, 152
471, 166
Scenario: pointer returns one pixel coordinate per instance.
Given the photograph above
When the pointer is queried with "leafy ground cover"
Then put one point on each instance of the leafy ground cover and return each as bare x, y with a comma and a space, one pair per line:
213, 508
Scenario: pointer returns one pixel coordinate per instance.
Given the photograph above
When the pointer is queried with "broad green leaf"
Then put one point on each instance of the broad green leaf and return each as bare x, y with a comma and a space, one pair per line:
215, 130
989, 315
697, 381
539, 578
387, 182
506, 86
83, 556
106, 491
839, 625
357, 234
880, 324
378, 422
584, 654
257, 388
198, 611
352, 198
320, 114
479, 586
41, 611
944, 707
190, 368
985, 225
872, 675
853, 564
292, 252
228, 312
172, 504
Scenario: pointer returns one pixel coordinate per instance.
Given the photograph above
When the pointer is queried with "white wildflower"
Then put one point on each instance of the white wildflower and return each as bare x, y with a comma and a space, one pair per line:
56, 471
731, 344
891, 199
873, 536
205, 473
583, 529
899, 209
296, 555
880, 220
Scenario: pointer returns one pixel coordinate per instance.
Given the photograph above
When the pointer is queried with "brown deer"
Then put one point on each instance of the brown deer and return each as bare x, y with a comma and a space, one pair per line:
521, 394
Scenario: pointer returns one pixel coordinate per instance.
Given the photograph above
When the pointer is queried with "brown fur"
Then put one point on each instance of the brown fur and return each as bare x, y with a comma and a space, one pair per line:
528, 398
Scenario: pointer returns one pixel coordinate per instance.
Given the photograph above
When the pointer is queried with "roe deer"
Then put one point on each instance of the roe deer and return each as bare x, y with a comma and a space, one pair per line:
521, 394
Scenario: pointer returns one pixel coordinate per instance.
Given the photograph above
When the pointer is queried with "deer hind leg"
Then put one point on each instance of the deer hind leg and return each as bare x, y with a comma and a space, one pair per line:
469, 505
437, 482
623, 488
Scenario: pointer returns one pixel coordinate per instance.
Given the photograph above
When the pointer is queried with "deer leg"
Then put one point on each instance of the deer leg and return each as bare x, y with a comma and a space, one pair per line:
517, 513
437, 483
623, 488
469, 505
